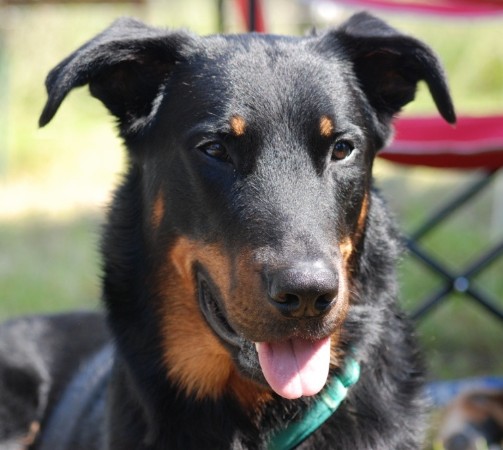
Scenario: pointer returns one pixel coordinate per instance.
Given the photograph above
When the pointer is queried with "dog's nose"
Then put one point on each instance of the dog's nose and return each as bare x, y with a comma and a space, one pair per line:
303, 290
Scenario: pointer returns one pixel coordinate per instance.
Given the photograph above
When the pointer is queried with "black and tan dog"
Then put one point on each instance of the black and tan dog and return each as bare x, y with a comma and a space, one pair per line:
248, 264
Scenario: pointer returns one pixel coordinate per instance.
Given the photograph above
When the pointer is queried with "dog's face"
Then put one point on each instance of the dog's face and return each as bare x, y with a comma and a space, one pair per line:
268, 178
255, 156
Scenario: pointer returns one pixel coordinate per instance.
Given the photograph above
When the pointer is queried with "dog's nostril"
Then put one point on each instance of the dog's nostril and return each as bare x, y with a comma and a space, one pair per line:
287, 304
303, 291
288, 299
324, 302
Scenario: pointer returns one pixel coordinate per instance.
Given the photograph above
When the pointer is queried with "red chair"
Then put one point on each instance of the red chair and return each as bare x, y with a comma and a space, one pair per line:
476, 143
447, 7
252, 13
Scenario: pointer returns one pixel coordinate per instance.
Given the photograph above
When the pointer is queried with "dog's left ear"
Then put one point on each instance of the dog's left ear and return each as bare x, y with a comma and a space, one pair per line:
125, 66
389, 64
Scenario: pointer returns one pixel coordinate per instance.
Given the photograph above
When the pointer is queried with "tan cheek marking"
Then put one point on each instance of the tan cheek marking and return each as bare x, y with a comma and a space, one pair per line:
326, 126
195, 359
193, 355
343, 300
347, 248
348, 245
158, 211
362, 219
238, 125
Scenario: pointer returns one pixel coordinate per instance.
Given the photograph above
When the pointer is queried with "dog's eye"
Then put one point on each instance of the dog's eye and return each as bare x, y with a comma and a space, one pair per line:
341, 150
215, 150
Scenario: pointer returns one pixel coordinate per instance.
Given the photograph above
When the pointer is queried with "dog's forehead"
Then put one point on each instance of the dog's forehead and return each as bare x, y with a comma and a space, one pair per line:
266, 59
258, 72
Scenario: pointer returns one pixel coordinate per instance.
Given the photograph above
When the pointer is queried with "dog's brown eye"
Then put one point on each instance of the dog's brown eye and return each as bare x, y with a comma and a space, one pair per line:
341, 150
215, 150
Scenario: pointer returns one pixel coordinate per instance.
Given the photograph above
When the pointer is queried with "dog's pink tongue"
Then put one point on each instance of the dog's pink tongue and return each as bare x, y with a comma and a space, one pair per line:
295, 367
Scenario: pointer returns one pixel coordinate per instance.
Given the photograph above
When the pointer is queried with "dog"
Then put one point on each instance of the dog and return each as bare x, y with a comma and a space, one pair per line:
248, 262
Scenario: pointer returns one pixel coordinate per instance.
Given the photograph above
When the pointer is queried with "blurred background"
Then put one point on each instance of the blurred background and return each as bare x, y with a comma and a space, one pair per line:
55, 182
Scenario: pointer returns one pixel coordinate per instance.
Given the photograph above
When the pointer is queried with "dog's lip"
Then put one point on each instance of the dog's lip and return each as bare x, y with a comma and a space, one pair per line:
214, 313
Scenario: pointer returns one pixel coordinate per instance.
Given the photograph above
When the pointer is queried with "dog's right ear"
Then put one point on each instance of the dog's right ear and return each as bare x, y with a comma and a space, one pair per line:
125, 66
388, 65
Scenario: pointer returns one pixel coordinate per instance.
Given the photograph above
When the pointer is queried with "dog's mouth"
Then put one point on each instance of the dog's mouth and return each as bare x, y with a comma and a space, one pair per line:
214, 314
293, 368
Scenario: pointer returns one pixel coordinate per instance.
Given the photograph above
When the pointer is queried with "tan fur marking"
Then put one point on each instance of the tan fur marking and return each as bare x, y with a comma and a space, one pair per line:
343, 300
326, 126
362, 219
158, 210
238, 125
195, 359
32, 434
348, 245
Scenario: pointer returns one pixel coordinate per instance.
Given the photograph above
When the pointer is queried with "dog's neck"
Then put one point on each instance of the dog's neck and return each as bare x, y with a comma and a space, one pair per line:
327, 402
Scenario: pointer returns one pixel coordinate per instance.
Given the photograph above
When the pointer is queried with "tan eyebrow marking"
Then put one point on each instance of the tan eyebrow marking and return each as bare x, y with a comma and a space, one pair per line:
238, 125
326, 126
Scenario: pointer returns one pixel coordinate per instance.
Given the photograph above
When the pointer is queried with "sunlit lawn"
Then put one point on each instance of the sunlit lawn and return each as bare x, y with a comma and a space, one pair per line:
48, 265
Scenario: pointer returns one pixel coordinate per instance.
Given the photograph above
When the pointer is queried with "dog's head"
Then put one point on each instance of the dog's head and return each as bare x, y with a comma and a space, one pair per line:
252, 157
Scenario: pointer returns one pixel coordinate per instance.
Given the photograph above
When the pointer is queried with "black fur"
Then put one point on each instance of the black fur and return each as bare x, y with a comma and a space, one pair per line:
273, 187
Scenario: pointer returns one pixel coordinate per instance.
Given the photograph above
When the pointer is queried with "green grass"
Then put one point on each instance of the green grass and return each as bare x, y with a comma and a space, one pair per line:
54, 182
48, 265
461, 339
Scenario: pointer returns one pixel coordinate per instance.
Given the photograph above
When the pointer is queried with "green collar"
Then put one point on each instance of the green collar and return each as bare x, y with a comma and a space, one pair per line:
326, 404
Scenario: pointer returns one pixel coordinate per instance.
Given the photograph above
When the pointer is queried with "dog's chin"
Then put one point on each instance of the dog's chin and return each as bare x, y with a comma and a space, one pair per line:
262, 359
